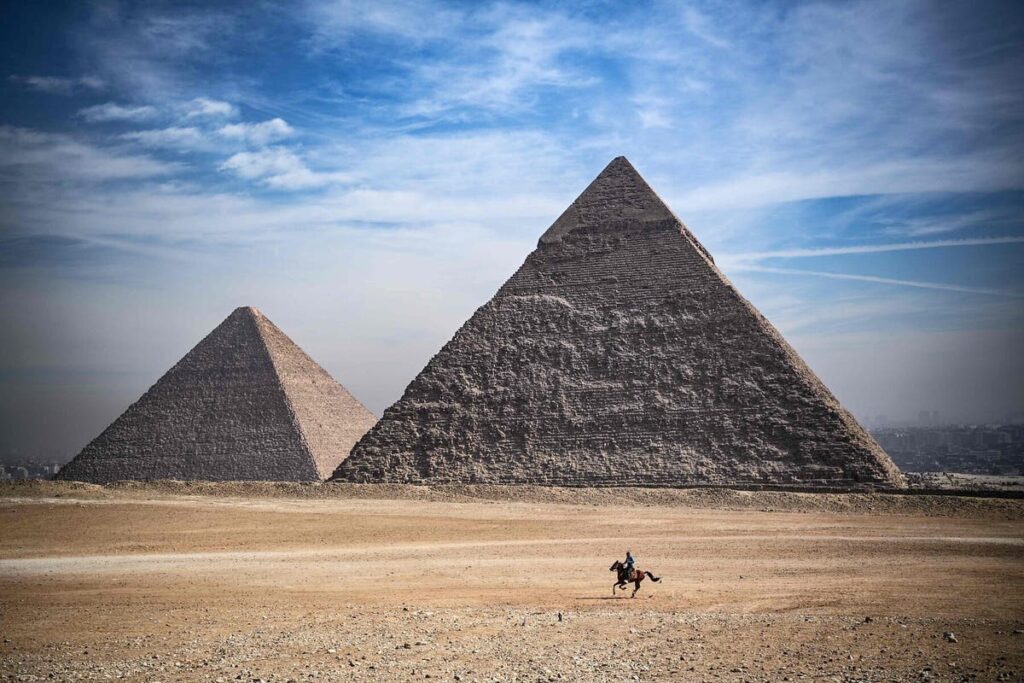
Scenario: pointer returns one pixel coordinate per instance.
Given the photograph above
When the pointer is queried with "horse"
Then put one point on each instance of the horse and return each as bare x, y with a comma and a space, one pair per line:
623, 579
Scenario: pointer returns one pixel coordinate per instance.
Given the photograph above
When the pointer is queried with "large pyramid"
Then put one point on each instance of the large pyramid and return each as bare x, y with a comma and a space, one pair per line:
245, 404
619, 354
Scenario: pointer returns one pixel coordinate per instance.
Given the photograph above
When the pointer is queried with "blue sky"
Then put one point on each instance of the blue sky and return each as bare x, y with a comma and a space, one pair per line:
368, 173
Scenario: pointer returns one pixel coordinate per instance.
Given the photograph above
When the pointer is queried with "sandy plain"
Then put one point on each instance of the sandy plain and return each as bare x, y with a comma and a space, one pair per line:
175, 582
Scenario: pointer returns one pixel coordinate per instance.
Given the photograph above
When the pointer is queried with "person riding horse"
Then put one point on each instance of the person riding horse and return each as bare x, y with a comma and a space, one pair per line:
630, 561
626, 572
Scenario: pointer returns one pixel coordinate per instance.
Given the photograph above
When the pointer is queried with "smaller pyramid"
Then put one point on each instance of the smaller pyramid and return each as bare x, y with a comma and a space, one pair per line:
245, 404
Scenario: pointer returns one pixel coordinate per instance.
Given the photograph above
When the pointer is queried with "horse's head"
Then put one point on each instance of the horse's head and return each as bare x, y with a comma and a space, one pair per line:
615, 566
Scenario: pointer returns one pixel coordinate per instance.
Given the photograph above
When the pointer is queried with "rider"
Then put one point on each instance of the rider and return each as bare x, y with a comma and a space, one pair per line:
630, 561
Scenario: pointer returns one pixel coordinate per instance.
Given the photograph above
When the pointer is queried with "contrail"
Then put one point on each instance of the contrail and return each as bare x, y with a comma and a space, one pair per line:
868, 248
881, 280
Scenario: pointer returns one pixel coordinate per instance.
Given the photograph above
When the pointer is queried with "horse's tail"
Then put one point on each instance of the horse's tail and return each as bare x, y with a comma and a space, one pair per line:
652, 577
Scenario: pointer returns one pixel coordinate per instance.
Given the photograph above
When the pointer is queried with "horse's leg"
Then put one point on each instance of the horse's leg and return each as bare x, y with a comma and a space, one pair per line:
635, 589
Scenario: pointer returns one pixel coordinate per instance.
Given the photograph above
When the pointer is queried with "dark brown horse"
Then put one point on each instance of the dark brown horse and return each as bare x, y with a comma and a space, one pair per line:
623, 578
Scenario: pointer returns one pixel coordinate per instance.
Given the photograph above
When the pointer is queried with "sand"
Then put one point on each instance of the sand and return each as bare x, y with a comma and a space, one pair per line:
180, 582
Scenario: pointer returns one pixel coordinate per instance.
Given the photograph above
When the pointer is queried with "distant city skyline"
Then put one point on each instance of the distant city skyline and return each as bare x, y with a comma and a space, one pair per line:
371, 173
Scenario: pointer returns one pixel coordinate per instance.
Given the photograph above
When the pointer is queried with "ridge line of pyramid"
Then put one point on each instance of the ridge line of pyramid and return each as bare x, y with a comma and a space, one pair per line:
255, 318
815, 383
326, 445
306, 356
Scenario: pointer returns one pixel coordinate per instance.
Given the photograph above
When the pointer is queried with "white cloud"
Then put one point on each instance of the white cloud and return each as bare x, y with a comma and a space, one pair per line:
519, 55
700, 25
92, 82
179, 138
258, 133
966, 172
155, 52
813, 252
205, 107
60, 86
470, 165
28, 156
279, 168
652, 111
991, 220
492, 57
920, 284
335, 22
517, 183
112, 111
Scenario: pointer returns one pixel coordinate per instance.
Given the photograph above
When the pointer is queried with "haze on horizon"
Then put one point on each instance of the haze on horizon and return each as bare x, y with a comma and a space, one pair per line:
368, 173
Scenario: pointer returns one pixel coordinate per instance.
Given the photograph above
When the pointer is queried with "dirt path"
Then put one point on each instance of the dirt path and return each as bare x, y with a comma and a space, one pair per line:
171, 587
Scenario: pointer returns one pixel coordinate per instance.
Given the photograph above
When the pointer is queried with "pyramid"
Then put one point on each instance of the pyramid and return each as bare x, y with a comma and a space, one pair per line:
245, 404
619, 354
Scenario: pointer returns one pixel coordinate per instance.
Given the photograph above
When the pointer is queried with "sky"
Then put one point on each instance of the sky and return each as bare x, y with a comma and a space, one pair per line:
369, 173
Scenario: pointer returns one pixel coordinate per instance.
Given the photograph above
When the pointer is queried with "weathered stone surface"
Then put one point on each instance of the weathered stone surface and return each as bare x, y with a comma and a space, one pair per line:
618, 354
245, 404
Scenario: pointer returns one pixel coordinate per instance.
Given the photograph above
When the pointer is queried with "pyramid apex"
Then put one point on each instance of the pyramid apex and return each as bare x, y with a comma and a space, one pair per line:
618, 192
247, 310
620, 166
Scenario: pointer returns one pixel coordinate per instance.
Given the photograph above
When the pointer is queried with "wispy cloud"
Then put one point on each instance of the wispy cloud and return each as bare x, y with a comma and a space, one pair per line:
258, 133
993, 218
813, 252
55, 85
941, 286
336, 23
206, 107
699, 25
279, 168
651, 109
989, 171
483, 58
111, 111
178, 138
31, 157
155, 52
518, 55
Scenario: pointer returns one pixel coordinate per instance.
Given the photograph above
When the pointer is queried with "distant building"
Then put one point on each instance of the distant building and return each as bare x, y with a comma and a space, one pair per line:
968, 449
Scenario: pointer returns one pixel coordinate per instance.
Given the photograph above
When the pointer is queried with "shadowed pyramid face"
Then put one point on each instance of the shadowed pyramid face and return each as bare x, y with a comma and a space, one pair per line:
618, 354
245, 404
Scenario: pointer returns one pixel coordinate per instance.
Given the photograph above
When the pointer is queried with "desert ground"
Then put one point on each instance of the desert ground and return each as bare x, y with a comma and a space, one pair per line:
233, 582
